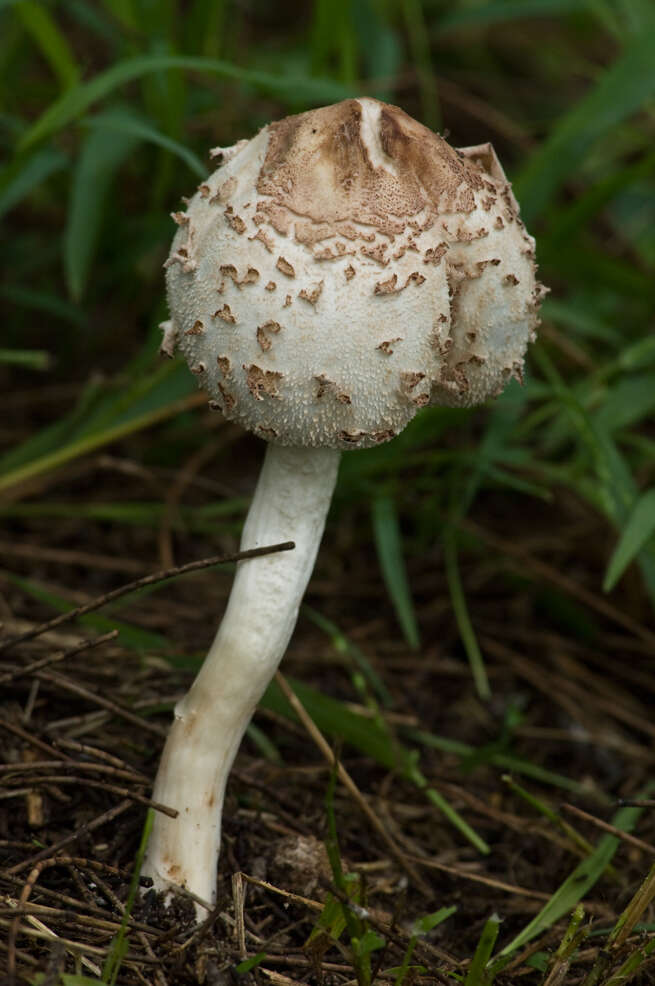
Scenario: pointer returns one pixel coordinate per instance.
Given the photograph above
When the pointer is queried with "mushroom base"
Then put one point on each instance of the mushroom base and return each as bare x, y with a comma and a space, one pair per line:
290, 503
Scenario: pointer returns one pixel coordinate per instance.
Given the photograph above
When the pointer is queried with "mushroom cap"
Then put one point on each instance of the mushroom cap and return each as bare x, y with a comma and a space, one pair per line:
346, 267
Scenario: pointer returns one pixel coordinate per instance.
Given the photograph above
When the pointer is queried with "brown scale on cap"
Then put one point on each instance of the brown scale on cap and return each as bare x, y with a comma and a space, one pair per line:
376, 253
383, 436
390, 286
263, 334
441, 345
225, 313
269, 434
229, 400
224, 365
262, 382
387, 346
264, 238
225, 191
481, 264
197, 329
352, 437
517, 371
453, 379
236, 222
386, 287
350, 272
181, 256
433, 255
250, 277
467, 236
285, 267
275, 215
409, 381
326, 386
327, 253
312, 295
271, 286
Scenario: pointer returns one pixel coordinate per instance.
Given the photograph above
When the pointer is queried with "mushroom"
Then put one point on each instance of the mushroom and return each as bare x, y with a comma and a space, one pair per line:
335, 274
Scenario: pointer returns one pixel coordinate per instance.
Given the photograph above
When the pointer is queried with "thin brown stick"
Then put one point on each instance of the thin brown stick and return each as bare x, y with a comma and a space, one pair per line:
102, 755
161, 576
509, 888
607, 827
313, 905
56, 658
106, 703
11, 769
88, 920
13, 727
349, 783
102, 786
239, 900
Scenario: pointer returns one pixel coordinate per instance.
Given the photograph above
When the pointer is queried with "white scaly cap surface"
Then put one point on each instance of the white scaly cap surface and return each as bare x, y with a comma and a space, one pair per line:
346, 267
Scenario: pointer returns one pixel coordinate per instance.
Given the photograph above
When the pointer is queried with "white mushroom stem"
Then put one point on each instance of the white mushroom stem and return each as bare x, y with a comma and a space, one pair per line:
290, 503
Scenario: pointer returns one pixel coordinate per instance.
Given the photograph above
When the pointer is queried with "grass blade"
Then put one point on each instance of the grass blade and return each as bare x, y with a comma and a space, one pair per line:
343, 645
77, 100
460, 609
571, 892
639, 528
419, 43
386, 531
129, 124
23, 176
478, 974
102, 154
166, 396
43, 301
629, 401
53, 45
622, 90
118, 948
504, 761
31, 359
476, 15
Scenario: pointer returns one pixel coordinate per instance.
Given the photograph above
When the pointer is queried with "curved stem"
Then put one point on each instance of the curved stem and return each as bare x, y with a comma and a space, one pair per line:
290, 503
